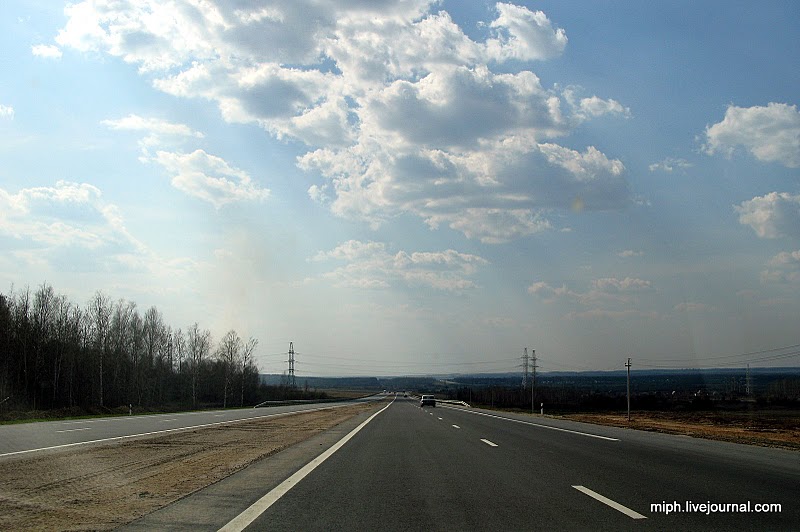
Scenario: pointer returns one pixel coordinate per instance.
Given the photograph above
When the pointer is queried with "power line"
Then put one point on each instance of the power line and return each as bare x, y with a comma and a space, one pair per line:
722, 357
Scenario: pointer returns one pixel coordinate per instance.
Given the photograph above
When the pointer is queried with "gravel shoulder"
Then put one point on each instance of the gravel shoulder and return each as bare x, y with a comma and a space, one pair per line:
103, 487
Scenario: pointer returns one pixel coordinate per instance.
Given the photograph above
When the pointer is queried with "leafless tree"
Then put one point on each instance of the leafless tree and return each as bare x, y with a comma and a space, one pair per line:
247, 364
99, 312
228, 354
198, 346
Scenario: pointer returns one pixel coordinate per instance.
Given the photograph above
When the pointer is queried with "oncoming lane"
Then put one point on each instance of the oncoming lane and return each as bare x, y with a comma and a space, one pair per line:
28, 438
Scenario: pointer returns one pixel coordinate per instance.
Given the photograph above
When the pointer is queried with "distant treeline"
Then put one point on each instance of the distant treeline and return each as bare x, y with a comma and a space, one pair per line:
58, 354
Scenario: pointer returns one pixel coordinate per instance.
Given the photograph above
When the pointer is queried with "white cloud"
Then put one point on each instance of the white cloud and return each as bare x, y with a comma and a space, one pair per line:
401, 111
770, 134
197, 174
525, 35
159, 133
492, 226
612, 285
773, 215
210, 178
370, 265
48, 51
783, 268
602, 292
66, 220
628, 253
6, 111
593, 106
691, 306
135, 122
670, 164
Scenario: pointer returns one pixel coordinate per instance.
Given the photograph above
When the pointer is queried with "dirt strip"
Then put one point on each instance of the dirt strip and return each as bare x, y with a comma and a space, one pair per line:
767, 430
99, 488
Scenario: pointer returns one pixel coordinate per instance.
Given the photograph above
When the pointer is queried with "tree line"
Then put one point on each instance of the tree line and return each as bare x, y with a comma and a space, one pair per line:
58, 354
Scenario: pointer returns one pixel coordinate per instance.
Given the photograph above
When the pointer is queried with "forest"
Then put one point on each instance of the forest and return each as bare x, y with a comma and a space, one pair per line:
106, 354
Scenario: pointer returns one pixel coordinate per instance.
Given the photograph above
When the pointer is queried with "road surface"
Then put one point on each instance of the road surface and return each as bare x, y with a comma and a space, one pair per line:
448, 468
28, 438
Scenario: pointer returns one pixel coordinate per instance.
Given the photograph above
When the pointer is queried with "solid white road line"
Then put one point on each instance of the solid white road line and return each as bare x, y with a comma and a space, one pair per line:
489, 443
73, 430
615, 505
115, 438
534, 424
456, 427
243, 520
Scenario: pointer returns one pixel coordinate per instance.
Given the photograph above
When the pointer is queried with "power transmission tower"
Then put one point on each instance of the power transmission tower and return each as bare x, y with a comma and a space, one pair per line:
525, 368
291, 365
533, 381
628, 366
748, 382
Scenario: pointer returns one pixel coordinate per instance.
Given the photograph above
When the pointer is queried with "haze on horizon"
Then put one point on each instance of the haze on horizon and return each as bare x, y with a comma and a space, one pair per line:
415, 187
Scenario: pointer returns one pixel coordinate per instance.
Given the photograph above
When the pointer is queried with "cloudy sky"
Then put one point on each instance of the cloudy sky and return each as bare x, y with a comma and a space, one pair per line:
407, 187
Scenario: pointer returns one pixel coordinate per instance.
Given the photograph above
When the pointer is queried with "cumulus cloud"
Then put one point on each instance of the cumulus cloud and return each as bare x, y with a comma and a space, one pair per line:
197, 174
628, 253
209, 178
400, 111
524, 34
371, 265
135, 122
669, 165
158, 133
7, 112
770, 134
691, 306
612, 285
771, 216
621, 295
47, 51
783, 268
68, 218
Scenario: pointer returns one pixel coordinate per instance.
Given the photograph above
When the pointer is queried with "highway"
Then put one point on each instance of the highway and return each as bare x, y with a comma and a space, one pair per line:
27, 438
449, 468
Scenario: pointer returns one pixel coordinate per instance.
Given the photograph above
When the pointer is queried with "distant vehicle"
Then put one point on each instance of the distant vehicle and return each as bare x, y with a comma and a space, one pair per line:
427, 400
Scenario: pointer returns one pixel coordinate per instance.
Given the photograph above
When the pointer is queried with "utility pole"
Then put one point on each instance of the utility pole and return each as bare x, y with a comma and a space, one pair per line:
525, 368
291, 365
628, 366
533, 381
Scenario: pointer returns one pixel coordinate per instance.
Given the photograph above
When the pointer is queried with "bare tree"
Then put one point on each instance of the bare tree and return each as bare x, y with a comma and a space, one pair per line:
198, 346
154, 342
247, 363
99, 311
228, 354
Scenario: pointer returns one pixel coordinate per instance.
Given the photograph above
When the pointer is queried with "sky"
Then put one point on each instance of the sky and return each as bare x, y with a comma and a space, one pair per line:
412, 187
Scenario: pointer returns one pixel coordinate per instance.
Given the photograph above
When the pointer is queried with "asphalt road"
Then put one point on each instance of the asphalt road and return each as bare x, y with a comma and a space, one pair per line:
28, 438
448, 468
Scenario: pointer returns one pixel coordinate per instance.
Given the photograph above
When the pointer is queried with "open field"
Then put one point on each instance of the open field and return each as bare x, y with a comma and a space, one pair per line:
769, 428
101, 487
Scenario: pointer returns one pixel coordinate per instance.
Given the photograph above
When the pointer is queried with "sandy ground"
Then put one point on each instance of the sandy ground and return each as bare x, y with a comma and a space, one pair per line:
99, 488
769, 429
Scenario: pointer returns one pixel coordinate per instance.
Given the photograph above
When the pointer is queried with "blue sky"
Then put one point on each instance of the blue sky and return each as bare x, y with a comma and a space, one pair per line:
413, 187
